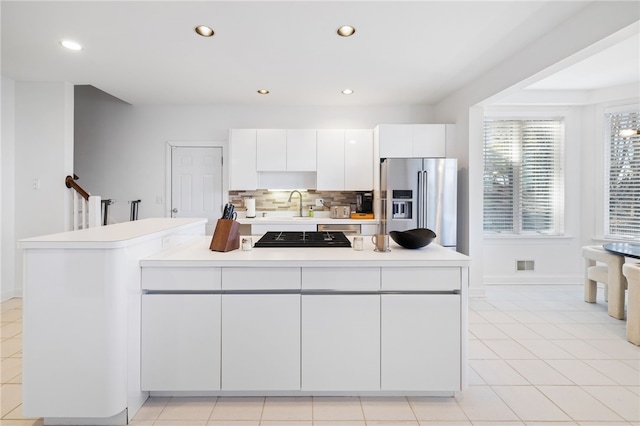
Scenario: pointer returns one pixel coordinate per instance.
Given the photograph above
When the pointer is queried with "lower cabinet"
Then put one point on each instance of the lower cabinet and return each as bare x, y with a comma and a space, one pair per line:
180, 342
340, 342
420, 342
260, 342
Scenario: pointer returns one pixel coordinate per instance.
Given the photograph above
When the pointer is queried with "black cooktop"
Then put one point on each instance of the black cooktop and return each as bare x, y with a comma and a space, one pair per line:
303, 239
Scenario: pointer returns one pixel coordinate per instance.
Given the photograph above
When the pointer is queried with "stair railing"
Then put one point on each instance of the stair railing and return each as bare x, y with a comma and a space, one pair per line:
86, 207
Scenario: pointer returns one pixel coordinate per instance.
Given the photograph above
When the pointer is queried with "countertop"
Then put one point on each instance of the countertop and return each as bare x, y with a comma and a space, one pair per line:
112, 236
280, 220
196, 253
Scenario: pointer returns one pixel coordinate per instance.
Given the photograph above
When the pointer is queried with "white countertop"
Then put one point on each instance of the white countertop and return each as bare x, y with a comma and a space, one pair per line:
112, 236
197, 254
279, 220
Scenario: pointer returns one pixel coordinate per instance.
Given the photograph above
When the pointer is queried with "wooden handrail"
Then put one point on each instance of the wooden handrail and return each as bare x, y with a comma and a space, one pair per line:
71, 183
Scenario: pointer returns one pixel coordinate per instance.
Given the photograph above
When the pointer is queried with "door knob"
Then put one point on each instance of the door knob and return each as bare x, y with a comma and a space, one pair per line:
175, 210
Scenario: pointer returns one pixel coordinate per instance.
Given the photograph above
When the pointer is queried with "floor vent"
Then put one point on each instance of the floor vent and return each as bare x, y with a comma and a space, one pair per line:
525, 265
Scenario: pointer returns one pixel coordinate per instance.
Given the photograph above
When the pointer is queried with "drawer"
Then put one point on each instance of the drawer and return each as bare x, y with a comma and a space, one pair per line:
341, 279
178, 279
421, 279
261, 278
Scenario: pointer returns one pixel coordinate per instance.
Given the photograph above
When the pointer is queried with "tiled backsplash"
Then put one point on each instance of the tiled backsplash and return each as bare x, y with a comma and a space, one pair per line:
277, 200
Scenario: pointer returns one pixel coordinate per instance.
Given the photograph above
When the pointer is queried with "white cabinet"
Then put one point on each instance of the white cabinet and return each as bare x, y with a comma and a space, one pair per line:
340, 332
180, 342
301, 150
345, 160
330, 174
358, 160
243, 173
271, 148
421, 342
260, 342
413, 140
280, 150
260, 332
341, 342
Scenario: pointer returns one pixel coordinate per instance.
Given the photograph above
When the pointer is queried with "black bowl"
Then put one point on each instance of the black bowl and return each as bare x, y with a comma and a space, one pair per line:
413, 238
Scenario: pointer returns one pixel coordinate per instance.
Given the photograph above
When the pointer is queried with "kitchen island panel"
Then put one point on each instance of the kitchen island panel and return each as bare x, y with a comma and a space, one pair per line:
260, 278
421, 342
193, 279
341, 279
181, 342
341, 342
261, 342
421, 279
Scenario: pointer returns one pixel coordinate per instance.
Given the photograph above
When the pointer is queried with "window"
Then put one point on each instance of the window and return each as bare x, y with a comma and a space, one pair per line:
623, 175
524, 176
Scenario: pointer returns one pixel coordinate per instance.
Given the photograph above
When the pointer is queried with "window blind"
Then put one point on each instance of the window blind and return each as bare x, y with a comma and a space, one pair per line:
623, 175
523, 176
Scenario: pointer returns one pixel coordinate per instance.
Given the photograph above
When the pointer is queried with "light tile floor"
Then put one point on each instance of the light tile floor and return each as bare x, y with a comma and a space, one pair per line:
539, 355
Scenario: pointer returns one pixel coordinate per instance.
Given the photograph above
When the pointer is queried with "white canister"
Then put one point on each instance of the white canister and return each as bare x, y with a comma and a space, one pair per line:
247, 243
250, 204
357, 243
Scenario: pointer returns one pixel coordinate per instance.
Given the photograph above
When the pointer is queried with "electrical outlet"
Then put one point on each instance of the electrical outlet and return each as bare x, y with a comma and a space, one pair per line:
36, 184
319, 202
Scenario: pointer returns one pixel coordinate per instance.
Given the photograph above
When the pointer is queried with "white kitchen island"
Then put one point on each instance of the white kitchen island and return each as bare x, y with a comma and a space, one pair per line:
81, 340
304, 321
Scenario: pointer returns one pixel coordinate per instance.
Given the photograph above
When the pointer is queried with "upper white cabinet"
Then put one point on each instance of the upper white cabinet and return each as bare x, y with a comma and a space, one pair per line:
243, 174
345, 160
413, 140
330, 173
280, 150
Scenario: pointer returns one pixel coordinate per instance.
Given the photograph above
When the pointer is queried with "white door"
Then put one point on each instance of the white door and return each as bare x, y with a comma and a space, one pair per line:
196, 183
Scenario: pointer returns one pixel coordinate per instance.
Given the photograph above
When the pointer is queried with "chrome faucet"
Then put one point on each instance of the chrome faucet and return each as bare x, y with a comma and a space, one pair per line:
300, 195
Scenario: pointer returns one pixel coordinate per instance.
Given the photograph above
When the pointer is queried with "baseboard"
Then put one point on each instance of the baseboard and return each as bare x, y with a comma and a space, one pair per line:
528, 278
477, 292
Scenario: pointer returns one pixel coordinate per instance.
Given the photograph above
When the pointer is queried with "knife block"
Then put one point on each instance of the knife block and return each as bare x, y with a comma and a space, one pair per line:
226, 236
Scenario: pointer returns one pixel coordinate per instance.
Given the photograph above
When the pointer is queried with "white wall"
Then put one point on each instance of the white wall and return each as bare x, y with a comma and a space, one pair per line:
577, 35
43, 151
7, 191
120, 149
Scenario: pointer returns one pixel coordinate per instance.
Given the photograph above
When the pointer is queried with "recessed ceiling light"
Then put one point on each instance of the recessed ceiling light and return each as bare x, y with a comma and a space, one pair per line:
204, 31
346, 31
71, 45
347, 92
263, 91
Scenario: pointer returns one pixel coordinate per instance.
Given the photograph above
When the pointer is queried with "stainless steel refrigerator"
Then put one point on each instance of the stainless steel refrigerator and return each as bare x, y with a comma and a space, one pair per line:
421, 193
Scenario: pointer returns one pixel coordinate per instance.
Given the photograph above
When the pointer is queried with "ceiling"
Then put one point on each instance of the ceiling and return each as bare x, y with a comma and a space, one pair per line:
403, 53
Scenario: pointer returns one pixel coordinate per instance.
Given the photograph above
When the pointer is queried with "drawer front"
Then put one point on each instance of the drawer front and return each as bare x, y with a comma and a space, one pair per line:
341, 279
177, 279
421, 279
261, 278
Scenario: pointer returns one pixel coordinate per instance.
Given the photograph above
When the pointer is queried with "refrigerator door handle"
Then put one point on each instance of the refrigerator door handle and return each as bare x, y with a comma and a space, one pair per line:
422, 199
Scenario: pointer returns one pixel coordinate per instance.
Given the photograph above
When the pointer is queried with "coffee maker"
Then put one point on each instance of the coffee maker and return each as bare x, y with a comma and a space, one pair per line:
364, 202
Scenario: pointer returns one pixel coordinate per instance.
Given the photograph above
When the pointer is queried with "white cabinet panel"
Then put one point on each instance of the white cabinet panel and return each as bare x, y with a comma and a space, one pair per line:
341, 279
261, 342
180, 342
412, 140
395, 140
341, 343
261, 278
421, 279
271, 145
301, 150
421, 342
243, 174
358, 160
330, 160
180, 279
429, 140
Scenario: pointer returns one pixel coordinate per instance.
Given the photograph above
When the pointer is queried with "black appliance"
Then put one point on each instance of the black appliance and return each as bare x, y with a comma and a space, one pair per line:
303, 239
364, 202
